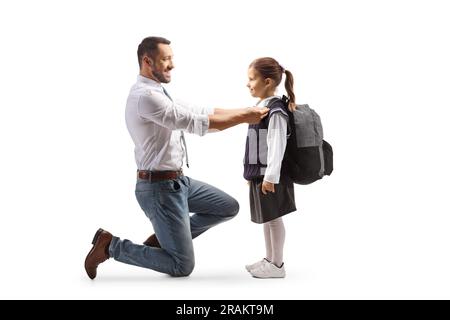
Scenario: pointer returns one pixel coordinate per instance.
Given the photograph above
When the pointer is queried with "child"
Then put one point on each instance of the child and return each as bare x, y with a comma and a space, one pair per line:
271, 191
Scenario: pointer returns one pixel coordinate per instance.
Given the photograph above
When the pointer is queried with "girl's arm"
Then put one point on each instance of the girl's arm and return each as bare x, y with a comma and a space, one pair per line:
276, 145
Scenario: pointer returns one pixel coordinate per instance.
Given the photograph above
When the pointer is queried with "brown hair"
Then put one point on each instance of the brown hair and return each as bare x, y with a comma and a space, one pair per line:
270, 68
149, 46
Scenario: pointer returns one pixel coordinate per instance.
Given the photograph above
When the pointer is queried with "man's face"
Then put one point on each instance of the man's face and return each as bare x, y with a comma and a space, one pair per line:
162, 63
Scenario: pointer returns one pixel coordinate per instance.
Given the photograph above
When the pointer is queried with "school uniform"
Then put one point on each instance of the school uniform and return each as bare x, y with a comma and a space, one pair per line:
264, 152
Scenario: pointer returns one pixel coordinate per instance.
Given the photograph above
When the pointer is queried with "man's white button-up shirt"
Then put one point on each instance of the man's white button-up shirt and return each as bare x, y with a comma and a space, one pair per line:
155, 123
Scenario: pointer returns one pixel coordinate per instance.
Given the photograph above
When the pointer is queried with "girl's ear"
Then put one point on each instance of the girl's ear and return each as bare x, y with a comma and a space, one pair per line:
268, 82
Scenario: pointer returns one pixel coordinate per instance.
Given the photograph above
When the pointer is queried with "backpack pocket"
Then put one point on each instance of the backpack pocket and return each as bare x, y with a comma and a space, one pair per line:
305, 127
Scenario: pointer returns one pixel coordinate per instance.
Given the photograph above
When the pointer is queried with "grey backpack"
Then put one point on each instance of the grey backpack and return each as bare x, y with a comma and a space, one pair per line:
307, 157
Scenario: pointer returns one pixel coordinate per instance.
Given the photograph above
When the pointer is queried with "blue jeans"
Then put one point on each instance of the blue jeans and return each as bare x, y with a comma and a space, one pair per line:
167, 204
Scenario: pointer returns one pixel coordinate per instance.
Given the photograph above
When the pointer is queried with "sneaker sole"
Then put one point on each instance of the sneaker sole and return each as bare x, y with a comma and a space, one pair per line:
281, 277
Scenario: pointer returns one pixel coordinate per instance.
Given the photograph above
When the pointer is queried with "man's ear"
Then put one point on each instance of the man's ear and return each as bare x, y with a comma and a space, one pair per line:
148, 60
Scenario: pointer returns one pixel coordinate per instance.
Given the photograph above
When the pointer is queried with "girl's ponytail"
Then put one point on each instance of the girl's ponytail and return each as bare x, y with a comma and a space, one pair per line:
289, 86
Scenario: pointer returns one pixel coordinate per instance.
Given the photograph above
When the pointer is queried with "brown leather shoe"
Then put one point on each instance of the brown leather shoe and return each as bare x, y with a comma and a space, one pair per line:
99, 252
152, 241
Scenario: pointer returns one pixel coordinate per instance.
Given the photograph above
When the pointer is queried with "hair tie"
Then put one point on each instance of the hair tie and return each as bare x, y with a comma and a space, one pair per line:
283, 70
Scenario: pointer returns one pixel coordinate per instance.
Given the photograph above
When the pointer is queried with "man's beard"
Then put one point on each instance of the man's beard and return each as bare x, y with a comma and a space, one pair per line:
160, 77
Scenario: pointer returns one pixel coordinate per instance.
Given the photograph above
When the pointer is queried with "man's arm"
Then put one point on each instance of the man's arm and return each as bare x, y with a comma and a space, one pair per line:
226, 118
158, 108
226, 111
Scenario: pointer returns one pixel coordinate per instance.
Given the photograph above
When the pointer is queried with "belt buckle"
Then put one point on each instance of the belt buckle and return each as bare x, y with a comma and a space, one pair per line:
144, 174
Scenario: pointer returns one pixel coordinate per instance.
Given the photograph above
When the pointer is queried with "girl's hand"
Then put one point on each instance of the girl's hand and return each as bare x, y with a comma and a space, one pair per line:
267, 186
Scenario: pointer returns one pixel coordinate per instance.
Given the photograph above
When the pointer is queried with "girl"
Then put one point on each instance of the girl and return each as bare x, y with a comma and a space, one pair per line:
271, 191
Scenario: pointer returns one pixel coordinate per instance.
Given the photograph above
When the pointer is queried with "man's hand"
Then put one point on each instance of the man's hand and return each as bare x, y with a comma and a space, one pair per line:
254, 115
267, 187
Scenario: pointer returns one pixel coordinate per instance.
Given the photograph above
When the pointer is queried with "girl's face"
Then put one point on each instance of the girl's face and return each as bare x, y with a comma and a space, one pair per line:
258, 86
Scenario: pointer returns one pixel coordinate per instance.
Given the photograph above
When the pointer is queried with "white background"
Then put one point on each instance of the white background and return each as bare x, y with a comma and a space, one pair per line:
376, 71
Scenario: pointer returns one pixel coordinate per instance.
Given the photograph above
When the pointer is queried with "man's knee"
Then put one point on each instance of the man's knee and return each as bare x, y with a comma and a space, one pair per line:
183, 268
232, 208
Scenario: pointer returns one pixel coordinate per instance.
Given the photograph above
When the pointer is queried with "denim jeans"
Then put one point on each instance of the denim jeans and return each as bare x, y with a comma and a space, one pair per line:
167, 204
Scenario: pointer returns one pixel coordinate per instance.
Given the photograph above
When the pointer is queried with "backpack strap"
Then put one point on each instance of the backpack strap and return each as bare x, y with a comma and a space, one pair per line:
285, 111
273, 108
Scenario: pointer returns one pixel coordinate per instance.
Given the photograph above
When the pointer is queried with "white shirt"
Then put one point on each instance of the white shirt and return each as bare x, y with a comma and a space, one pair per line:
154, 122
276, 144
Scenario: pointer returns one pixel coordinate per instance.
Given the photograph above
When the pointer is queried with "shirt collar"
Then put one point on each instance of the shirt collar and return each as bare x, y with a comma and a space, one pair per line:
149, 82
265, 101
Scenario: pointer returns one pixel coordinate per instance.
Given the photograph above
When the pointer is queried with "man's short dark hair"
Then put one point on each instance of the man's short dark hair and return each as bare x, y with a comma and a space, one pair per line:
149, 46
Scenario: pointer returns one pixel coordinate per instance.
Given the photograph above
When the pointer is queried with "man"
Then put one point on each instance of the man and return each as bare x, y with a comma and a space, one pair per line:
156, 125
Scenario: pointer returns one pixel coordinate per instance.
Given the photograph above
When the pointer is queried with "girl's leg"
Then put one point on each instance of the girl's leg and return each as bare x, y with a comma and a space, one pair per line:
277, 237
267, 238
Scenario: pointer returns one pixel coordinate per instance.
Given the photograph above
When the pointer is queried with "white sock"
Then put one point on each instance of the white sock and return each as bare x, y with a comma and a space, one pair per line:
277, 237
268, 242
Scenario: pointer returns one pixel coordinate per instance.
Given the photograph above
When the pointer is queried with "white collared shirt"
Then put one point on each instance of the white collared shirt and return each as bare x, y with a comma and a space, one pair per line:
276, 143
155, 122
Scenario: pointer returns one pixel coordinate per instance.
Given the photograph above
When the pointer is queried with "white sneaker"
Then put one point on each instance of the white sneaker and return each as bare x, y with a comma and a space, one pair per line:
255, 265
269, 270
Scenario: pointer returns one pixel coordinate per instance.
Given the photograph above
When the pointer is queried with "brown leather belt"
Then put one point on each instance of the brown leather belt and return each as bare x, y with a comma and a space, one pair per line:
159, 175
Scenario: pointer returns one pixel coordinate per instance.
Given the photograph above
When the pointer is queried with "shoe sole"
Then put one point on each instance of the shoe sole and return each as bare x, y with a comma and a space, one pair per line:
269, 277
281, 276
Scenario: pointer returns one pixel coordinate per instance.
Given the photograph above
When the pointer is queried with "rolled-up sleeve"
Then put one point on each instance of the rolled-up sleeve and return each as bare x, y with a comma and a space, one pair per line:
156, 107
194, 108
